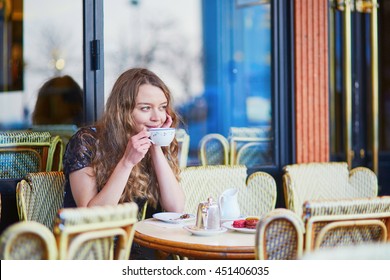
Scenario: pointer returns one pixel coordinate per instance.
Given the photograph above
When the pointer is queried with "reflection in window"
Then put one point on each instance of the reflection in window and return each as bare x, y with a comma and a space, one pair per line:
214, 55
11, 48
40, 44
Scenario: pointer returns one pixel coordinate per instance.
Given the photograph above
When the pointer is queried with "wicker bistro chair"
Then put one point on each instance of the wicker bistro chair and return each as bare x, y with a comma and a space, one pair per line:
279, 236
328, 180
346, 222
99, 233
28, 240
22, 152
39, 197
183, 139
214, 150
251, 146
256, 196
254, 154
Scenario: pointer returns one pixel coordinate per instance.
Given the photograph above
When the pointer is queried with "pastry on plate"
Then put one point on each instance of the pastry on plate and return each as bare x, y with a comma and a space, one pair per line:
251, 222
239, 223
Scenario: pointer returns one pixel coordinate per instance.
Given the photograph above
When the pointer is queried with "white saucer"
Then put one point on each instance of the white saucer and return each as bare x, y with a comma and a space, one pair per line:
205, 232
229, 225
172, 217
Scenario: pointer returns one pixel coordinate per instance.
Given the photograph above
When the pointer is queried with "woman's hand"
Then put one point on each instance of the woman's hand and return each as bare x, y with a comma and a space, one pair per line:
137, 147
168, 122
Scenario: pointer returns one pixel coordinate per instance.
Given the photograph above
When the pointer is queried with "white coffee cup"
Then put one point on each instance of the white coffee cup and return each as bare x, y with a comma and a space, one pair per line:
162, 136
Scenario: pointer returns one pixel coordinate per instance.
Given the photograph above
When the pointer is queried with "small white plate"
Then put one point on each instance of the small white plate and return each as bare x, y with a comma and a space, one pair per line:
172, 217
205, 232
229, 225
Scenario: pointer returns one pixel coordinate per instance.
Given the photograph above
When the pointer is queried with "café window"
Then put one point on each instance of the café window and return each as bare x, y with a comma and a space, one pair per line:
11, 30
41, 55
214, 55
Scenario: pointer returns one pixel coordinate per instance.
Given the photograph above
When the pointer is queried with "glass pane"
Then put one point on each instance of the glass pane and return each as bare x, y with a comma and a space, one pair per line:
215, 57
252, 99
41, 40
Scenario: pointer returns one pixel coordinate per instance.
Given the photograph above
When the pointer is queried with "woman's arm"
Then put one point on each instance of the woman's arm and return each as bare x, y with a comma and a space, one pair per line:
172, 195
83, 184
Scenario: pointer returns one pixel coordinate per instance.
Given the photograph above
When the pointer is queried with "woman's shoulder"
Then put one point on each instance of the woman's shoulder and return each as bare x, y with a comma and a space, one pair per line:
86, 131
80, 149
84, 135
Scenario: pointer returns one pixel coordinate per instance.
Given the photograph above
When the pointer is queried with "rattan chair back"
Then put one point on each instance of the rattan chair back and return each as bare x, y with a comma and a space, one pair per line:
279, 236
39, 196
346, 222
98, 233
327, 180
26, 151
28, 240
251, 146
256, 195
214, 150
254, 154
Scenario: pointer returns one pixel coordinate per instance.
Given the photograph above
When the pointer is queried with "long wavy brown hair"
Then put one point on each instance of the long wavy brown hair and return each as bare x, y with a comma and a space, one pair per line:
115, 129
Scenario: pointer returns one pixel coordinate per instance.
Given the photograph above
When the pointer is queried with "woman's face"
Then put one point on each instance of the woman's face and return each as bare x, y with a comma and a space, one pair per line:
150, 108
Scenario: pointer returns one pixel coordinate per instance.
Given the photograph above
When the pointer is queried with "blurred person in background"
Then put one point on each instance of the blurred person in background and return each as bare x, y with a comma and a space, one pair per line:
60, 101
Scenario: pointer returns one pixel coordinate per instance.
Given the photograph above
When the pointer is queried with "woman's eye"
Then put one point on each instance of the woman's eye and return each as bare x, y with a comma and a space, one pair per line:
145, 108
163, 108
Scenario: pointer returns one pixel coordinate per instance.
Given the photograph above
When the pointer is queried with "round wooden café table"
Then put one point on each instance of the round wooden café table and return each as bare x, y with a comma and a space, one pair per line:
174, 239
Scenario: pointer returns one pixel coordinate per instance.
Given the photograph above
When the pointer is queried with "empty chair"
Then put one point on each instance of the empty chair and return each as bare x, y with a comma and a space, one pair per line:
183, 139
279, 236
22, 152
251, 146
254, 154
96, 233
28, 240
214, 150
343, 222
39, 196
256, 194
327, 180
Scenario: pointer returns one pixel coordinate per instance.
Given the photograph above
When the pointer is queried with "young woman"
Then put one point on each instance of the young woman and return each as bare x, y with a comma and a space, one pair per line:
114, 161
